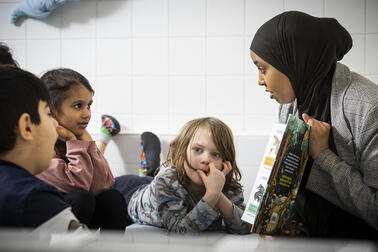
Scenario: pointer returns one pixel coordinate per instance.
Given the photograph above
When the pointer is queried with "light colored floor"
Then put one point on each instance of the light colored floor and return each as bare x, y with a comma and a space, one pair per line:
152, 239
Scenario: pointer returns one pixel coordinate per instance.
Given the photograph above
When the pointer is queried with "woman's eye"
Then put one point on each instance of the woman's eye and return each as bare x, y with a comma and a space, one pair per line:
89, 106
77, 106
216, 155
261, 69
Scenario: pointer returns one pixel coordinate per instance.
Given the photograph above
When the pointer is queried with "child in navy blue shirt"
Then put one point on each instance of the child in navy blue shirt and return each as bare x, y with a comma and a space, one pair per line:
27, 138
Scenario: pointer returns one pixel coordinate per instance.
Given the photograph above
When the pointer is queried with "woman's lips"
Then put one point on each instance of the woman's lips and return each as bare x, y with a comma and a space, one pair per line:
271, 94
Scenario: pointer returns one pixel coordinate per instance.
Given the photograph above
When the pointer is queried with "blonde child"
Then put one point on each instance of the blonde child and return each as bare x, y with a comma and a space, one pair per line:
79, 169
196, 189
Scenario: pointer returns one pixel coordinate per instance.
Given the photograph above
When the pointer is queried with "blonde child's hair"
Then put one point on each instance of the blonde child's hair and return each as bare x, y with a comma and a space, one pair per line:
223, 140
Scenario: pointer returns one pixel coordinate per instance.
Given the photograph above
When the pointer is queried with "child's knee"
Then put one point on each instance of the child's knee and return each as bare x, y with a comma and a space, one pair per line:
83, 199
111, 197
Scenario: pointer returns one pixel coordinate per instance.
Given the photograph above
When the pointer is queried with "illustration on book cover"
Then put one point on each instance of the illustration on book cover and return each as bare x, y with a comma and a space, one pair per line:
276, 203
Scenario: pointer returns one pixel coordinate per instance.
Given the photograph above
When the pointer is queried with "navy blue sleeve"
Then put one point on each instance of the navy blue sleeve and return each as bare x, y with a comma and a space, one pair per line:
41, 205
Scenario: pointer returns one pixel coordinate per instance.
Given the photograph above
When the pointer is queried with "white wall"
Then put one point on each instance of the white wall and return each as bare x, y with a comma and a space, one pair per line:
155, 64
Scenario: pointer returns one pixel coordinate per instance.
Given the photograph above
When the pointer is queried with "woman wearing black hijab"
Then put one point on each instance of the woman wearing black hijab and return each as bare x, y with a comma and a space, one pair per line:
296, 55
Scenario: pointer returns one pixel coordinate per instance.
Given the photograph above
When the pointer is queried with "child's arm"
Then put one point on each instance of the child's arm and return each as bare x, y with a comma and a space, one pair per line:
86, 169
166, 203
102, 175
230, 210
234, 223
76, 174
173, 209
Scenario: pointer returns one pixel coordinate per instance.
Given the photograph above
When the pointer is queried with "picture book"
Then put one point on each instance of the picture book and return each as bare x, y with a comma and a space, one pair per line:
263, 173
272, 212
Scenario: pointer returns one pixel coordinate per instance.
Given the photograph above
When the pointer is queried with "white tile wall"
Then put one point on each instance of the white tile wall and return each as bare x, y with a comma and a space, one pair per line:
121, 101
225, 17
258, 12
187, 18
8, 30
18, 50
187, 56
156, 64
48, 50
372, 54
80, 55
261, 104
225, 55
371, 16
355, 58
312, 7
350, 13
187, 94
150, 56
49, 29
150, 18
113, 19
79, 19
114, 56
225, 94
150, 95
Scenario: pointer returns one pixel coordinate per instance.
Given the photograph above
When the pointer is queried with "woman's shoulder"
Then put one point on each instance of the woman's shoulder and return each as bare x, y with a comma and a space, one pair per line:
353, 85
352, 93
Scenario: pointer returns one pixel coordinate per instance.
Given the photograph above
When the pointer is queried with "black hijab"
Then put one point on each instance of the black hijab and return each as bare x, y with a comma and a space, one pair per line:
305, 49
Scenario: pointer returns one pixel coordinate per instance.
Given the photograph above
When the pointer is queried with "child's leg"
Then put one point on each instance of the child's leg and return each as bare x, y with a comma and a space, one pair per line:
150, 154
109, 128
82, 205
110, 211
128, 184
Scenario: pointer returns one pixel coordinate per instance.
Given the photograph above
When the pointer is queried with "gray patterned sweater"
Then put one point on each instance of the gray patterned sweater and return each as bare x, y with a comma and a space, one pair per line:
168, 204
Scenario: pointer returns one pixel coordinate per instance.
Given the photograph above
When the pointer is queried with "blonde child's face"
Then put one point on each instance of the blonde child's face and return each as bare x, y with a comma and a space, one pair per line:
74, 113
201, 151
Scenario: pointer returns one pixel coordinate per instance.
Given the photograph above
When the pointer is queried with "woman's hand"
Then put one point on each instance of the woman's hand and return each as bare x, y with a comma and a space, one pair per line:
294, 229
85, 136
64, 134
319, 136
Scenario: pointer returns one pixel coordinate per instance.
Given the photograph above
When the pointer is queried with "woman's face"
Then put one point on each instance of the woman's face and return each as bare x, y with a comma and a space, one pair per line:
275, 82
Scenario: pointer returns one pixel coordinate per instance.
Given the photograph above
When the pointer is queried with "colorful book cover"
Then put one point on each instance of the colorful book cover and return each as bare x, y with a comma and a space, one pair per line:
263, 173
277, 205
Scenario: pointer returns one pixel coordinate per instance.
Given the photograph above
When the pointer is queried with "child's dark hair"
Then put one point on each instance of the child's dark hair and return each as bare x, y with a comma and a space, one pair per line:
59, 81
6, 58
20, 92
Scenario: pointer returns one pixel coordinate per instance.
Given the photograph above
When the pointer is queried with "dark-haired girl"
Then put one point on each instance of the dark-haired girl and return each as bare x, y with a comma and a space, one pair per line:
79, 169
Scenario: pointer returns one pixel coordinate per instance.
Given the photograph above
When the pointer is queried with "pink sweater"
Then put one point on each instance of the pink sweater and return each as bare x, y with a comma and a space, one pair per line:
87, 169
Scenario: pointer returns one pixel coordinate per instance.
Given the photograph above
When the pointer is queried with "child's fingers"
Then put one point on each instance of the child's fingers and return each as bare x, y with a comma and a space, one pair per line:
202, 174
226, 167
212, 167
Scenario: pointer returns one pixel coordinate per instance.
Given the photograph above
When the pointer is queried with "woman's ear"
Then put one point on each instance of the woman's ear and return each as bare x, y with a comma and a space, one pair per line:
25, 127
